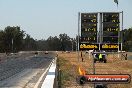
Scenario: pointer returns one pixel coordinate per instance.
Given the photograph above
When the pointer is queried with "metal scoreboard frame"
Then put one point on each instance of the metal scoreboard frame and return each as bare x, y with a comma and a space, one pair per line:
116, 18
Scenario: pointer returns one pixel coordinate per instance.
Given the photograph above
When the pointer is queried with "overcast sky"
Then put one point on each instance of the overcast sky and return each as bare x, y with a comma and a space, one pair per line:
44, 18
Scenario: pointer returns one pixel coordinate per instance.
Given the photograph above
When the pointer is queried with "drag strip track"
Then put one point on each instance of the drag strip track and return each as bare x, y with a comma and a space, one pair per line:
19, 72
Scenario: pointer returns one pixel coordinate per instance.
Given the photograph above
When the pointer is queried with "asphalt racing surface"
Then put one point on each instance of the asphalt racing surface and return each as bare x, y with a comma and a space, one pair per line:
24, 71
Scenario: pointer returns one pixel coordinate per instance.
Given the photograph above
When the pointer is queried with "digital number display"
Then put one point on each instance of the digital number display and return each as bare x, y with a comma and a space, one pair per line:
111, 27
89, 20
89, 39
111, 17
88, 30
89, 27
91, 16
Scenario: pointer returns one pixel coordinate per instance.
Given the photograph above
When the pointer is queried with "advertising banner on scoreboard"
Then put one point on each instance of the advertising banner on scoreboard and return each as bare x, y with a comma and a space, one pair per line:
110, 46
87, 46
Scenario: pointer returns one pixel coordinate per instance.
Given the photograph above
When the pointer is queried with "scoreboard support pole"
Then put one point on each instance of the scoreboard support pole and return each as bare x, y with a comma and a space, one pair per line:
78, 33
121, 32
119, 37
100, 28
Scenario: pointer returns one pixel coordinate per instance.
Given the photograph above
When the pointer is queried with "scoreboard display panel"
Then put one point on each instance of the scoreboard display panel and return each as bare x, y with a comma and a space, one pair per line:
111, 27
89, 27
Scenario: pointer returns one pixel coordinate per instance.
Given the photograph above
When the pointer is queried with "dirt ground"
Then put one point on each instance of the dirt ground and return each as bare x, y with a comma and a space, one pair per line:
69, 65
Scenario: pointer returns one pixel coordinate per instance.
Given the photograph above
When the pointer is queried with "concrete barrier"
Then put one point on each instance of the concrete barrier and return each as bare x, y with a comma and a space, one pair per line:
49, 80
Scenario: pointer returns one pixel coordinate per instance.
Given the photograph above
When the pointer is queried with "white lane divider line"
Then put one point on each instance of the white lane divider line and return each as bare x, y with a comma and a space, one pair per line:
49, 80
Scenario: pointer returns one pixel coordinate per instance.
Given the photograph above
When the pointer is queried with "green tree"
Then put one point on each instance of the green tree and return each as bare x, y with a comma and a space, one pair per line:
65, 42
2, 46
13, 39
127, 39
29, 43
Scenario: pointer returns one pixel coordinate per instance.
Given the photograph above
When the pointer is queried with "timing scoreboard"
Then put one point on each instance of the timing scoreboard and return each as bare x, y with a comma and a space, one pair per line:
108, 32
111, 27
88, 31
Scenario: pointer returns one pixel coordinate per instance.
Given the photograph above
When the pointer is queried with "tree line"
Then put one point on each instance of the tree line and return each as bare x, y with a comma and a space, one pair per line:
13, 39
127, 39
